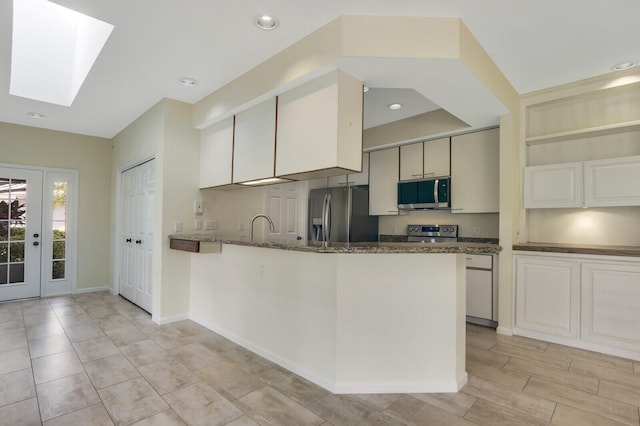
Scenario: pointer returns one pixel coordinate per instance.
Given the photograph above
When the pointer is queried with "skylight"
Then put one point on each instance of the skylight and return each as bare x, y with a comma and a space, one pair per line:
53, 50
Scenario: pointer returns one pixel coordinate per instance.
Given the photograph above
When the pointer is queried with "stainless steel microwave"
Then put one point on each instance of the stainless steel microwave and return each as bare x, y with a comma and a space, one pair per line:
425, 194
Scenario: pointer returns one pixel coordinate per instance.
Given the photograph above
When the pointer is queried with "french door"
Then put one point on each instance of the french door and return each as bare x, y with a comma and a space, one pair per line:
137, 196
20, 232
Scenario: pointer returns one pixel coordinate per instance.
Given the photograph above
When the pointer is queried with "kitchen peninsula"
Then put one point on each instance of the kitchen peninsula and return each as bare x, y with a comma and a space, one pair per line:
359, 318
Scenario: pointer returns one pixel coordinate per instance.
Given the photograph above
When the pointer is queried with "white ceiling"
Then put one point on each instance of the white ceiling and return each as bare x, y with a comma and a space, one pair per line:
155, 42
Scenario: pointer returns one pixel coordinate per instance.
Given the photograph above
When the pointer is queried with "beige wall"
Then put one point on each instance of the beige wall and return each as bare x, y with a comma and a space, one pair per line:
233, 210
165, 133
91, 156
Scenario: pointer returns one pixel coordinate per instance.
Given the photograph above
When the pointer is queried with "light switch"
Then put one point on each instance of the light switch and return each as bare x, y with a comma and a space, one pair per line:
197, 206
177, 227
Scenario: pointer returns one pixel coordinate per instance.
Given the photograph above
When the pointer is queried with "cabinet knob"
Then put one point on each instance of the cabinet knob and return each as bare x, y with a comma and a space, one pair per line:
128, 240
35, 243
138, 241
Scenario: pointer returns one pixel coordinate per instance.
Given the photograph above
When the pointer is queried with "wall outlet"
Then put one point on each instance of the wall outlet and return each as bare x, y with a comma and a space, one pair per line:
198, 224
210, 225
197, 207
476, 230
177, 227
241, 226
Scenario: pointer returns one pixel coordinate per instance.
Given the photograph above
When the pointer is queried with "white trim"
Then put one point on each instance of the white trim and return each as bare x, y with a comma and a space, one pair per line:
93, 290
580, 344
506, 331
300, 371
333, 386
170, 319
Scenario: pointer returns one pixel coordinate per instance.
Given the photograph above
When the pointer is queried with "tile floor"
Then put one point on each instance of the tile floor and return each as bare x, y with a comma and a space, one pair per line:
96, 359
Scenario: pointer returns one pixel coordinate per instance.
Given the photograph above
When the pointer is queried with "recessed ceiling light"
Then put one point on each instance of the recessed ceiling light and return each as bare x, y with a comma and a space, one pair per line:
266, 22
35, 115
188, 81
395, 106
624, 65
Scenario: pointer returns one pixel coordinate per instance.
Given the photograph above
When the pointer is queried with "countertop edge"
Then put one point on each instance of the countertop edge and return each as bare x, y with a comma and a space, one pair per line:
626, 251
388, 248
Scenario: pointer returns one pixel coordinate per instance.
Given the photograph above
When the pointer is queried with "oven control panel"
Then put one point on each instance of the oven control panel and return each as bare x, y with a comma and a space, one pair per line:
449, 231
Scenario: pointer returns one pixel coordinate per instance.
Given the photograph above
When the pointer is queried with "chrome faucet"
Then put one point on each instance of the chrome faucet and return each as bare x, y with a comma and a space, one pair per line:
271, 227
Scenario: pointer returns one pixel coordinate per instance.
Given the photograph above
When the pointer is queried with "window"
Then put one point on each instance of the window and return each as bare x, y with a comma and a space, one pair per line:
59, 230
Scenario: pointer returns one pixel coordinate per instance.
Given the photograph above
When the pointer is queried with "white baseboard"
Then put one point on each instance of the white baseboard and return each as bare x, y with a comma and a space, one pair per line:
504, 331
93, 290
300, 371
333, 386
170, 319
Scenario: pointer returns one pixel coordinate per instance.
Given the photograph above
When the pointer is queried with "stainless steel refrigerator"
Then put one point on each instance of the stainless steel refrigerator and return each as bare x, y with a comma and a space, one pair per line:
341, 215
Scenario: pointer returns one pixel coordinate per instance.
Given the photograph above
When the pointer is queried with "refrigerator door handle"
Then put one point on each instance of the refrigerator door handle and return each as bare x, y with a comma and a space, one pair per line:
324, 219
327, 219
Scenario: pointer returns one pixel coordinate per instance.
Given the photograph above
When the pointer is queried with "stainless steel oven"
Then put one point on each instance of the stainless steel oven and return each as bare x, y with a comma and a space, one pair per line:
432, 233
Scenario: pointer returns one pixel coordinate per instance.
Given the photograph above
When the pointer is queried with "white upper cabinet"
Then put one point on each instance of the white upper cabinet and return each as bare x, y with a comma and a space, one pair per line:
425, 159
361, 178
604, 183
612, 182
553, 186
411, 161
216, 154
319, 129
475, 172
383, 182
255, 142
437, 158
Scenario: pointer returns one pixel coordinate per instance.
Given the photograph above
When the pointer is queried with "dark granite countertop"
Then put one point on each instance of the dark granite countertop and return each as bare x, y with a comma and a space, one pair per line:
601, 250
369, 247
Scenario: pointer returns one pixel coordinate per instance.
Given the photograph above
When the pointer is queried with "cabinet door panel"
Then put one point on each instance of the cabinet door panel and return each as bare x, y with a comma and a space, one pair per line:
480, 293
547, 296
612, 182
553, 186
361, 178
610, 304
216, 154
383, 182
475, 172
411, 161
254, 142
437, 158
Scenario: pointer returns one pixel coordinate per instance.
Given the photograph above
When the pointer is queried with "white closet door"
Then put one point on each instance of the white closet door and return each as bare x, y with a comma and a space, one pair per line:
136, 239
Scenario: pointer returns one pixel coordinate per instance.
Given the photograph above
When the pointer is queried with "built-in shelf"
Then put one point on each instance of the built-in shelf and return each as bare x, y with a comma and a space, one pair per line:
608, 129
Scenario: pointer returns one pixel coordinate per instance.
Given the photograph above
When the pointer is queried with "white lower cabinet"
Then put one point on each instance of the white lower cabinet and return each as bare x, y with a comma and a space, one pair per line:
611, 304
547, 295
591, 302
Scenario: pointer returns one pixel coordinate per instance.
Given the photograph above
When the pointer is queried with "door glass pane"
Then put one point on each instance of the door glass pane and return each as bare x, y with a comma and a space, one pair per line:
58, 250
16, 232
3, 273
16, 252
58, 270
16, 273
58, 227
4, 230
4, 252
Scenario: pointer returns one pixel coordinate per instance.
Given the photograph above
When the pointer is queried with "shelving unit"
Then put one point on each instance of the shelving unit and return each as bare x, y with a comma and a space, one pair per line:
588, 132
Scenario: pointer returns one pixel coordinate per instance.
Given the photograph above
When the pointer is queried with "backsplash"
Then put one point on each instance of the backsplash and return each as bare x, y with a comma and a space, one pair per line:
486, 223
605, 226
